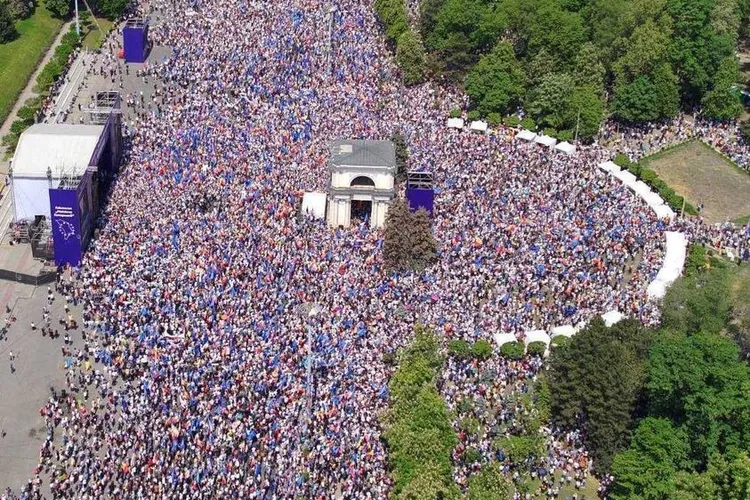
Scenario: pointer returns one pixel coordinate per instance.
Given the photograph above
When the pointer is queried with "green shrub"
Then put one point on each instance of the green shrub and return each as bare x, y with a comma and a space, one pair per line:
511, 121
481, 349
560, 340
538, 348
465, 405
512, 350
622, 161
62, 53
27, 114
459, 349
494, 119
33, 102
635, 169
696, 260
528, 123
550, 132
470, 425
71, 38
648, 176
18, 126
10, 142
470, 456
474, 115
565, 135
455, 113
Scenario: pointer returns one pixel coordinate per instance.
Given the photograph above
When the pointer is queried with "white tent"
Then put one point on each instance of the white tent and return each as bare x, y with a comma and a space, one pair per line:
564, 330
566, 148
641, 189
663, 212
626, 177
656, 289
674, 258
609, 166
479, 126
314, 204
64, 149
526, 135
455, 123
612, 317
503, 338
536, 336
653, 199
545, 140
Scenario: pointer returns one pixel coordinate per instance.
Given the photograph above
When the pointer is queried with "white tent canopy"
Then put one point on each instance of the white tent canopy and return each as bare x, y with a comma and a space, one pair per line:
545, 140
566, 148
503, 338
536, 336
612, 317
479, 126
526, 135
641, 189
609, 166
455, 123
674, 261
626, 177
314, 204
563, 330
663, 212
653, 199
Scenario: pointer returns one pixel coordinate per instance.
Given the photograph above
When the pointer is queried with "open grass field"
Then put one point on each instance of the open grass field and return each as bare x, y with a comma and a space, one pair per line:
701, 175
19, 58
567, 491
93, 38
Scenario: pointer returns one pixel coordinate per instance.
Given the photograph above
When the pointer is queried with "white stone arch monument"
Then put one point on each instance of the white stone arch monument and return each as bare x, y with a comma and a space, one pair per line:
362, 181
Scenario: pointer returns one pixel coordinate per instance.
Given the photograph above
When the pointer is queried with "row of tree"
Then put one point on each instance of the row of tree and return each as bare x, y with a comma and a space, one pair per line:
665, 411
410, 53
569, 63
418, 428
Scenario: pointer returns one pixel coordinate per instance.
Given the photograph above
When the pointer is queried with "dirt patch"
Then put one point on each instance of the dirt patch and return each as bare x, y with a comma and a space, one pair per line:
701, 175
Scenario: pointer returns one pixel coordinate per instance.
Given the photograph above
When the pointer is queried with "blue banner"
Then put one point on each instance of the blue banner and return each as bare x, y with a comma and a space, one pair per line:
66, 226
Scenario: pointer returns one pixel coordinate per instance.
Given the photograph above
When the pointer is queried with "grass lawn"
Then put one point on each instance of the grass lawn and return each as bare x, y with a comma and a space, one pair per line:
19, 58
93, 38
567, 491
701, 175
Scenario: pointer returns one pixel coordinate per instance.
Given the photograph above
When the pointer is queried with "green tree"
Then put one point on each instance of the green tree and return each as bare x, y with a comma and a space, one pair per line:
521, 450
586, 111
58, 8
596, 383
7, 28
392, 13
694, 486
459, 348
538, 67
588, 68
648, 98
646, 470
481, 349
550, 102
410, 57
495, 84
396, 238
402, 154
557, 30
699, 382
488, 484
723, 102
423, 243
698, 303
19, 9
696, 49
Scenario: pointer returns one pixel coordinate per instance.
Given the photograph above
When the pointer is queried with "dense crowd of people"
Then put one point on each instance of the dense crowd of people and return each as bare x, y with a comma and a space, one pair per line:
196, 293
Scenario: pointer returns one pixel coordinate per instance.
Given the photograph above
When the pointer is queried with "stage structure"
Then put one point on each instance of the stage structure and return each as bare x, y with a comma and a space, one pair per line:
420, 191
61, 173
135, 40
361, 185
